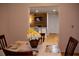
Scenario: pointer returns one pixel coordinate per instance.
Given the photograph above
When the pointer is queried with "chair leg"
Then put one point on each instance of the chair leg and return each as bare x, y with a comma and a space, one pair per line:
43, 39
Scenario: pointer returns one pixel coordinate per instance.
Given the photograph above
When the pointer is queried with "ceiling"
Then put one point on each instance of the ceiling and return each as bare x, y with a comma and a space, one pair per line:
45, 9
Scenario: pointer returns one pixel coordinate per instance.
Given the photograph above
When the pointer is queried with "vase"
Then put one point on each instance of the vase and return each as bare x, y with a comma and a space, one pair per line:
34, 43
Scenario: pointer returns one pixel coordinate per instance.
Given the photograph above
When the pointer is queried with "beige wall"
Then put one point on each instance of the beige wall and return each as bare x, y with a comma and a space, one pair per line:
13, 21
69, 15
4, 19
18, 21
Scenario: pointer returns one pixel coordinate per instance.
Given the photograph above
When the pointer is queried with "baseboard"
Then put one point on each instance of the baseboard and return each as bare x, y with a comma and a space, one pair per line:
62, 53
75, 54
0, 49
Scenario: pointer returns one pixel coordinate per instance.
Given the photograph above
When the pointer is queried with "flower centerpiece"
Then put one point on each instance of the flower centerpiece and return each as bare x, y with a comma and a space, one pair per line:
33, 37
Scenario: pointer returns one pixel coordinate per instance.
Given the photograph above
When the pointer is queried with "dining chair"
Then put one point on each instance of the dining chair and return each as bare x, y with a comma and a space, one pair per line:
72, 43
17, 53
3, 42
42, 37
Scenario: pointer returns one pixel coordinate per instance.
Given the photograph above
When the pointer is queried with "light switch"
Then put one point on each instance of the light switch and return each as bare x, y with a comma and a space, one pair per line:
72, 26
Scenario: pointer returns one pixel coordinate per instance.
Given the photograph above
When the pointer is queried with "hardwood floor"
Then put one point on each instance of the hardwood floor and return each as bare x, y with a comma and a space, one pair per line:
52, 38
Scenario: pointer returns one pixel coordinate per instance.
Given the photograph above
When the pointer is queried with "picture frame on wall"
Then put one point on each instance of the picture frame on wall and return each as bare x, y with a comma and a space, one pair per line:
38, 19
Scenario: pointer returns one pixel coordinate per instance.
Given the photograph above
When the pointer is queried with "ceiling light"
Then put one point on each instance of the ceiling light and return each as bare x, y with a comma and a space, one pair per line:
36, 11
54, 10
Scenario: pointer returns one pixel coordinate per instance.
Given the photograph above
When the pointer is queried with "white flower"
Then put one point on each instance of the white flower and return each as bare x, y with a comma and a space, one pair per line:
32, 34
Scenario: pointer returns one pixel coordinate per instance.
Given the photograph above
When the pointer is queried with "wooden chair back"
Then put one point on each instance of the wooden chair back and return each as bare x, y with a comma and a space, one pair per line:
71, 46
3, 42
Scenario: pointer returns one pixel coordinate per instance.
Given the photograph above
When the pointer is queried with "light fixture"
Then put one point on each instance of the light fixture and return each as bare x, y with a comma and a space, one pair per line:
30, 19
36, 11
54, 10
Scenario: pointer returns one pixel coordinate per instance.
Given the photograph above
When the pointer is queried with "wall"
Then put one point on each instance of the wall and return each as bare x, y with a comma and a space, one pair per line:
18, 22
53, 23
13, 21
4, 19
69, 15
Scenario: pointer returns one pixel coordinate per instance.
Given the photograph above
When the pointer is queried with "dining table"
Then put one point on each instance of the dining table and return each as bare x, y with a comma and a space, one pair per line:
19, 46
41, 50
